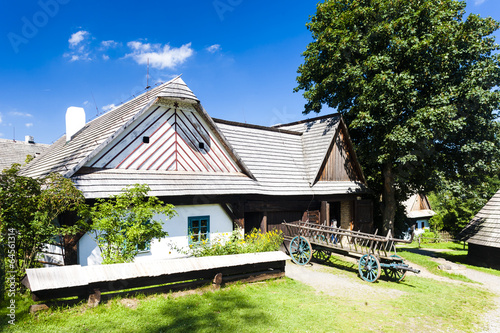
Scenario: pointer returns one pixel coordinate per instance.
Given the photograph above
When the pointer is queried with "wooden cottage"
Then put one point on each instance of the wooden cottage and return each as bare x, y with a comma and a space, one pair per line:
483, 234
418, 212
217, 173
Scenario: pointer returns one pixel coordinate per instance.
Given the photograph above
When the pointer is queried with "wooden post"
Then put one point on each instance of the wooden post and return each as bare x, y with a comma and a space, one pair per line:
94, 299
324, 215
263, 223
217, 281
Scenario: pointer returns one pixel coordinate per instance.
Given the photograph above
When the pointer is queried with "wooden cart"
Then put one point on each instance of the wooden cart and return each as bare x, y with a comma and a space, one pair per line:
374, 252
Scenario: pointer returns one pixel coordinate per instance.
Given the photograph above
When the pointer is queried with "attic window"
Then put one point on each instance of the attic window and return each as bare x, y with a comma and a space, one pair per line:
201, 145
145, 139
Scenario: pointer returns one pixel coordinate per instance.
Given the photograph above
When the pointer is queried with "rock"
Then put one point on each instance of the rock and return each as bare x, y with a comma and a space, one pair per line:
38, 307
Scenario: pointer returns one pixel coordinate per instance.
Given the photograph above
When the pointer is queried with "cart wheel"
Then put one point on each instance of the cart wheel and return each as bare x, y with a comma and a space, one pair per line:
395, 274
300, 250
321, 255
369, 268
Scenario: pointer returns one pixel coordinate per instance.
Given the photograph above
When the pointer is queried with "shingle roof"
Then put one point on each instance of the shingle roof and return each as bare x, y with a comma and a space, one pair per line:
283, 159
317, 135
16, 152
417, 206
484, 228
274, 161
66, 157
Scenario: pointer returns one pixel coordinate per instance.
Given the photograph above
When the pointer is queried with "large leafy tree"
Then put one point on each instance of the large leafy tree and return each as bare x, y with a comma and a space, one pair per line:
124, 224
416, 83
28, 211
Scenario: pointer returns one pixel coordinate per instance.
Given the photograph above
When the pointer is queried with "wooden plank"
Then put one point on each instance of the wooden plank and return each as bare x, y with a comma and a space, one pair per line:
51, 283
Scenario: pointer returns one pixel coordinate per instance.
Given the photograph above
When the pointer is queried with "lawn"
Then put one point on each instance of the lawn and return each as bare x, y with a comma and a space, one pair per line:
455, 252
283, 305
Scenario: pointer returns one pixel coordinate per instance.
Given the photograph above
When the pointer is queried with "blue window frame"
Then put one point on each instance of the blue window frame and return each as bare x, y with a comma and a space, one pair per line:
198, 229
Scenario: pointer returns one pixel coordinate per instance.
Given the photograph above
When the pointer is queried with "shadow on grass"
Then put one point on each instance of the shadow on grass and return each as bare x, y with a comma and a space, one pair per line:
224, 312
338, 263
456, 255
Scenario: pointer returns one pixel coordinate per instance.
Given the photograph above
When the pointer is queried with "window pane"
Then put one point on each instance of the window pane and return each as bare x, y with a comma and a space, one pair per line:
198, 229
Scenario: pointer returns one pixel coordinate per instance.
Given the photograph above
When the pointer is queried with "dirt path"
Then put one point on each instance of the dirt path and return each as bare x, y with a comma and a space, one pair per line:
320, 278
488, 281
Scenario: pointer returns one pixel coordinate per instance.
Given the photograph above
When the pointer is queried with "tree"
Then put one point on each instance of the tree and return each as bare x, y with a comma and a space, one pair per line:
124, 224
28, 211
455, 208
416, 84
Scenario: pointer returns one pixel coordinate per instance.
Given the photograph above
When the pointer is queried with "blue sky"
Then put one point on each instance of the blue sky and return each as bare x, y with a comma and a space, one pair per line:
239, 57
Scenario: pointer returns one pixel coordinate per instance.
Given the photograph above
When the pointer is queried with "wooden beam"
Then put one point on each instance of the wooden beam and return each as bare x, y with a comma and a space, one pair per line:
324, 215
263, 223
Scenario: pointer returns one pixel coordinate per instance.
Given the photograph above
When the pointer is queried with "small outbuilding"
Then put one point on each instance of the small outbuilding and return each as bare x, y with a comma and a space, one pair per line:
483, 234
418, 212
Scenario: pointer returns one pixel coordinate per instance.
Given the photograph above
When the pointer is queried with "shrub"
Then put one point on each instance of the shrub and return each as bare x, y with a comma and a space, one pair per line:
429, 236
236, 244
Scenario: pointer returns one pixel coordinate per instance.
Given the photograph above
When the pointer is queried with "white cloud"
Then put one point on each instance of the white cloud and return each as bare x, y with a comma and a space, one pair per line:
159, 56
79, 44
29, 125
109, 44
105, 57
108, 107
77, 38
478, 2
20, 114
213, 48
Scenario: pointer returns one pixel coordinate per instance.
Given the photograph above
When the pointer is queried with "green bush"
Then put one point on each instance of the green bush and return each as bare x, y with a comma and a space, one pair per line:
429, 236
236, 244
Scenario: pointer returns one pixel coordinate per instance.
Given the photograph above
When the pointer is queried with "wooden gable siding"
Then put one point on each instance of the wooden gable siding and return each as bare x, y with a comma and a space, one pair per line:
421, 203
179, 140
339, 165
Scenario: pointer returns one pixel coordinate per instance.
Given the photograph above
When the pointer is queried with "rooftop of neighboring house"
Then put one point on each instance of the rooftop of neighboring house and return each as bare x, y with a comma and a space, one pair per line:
12, 151
418, 207
484, 228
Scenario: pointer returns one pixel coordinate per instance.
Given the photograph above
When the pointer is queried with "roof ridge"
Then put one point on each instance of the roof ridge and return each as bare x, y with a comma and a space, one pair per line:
331, 115
158, 87
261, 127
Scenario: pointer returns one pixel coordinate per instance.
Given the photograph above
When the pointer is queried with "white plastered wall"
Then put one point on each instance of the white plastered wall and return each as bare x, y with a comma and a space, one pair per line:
177, 228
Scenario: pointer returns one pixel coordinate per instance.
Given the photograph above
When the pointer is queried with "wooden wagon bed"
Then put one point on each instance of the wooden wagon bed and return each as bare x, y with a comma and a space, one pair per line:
374, 252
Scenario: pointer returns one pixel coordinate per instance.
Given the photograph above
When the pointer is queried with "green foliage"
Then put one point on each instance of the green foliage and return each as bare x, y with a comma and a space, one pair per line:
428, 236
28, 209
253, 242
417, 86
455, 206
125, 223
283, 305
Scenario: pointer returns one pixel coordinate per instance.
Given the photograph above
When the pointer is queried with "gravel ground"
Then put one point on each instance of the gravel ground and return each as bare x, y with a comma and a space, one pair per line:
320, 278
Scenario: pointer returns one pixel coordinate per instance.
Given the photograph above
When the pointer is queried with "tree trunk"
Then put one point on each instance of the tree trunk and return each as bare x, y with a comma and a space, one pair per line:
388, 199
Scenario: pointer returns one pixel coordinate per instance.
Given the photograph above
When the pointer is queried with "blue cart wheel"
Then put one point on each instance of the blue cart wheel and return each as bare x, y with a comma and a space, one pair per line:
300, 250
395, 274
369, 268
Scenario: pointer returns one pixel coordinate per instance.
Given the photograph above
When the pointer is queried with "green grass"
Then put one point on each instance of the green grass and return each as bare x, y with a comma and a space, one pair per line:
456, 254
454, 246
431, 266
275, 306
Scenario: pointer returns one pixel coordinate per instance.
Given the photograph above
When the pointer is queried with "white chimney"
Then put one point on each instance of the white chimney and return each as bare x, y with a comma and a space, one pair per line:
29, 139
75, 120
